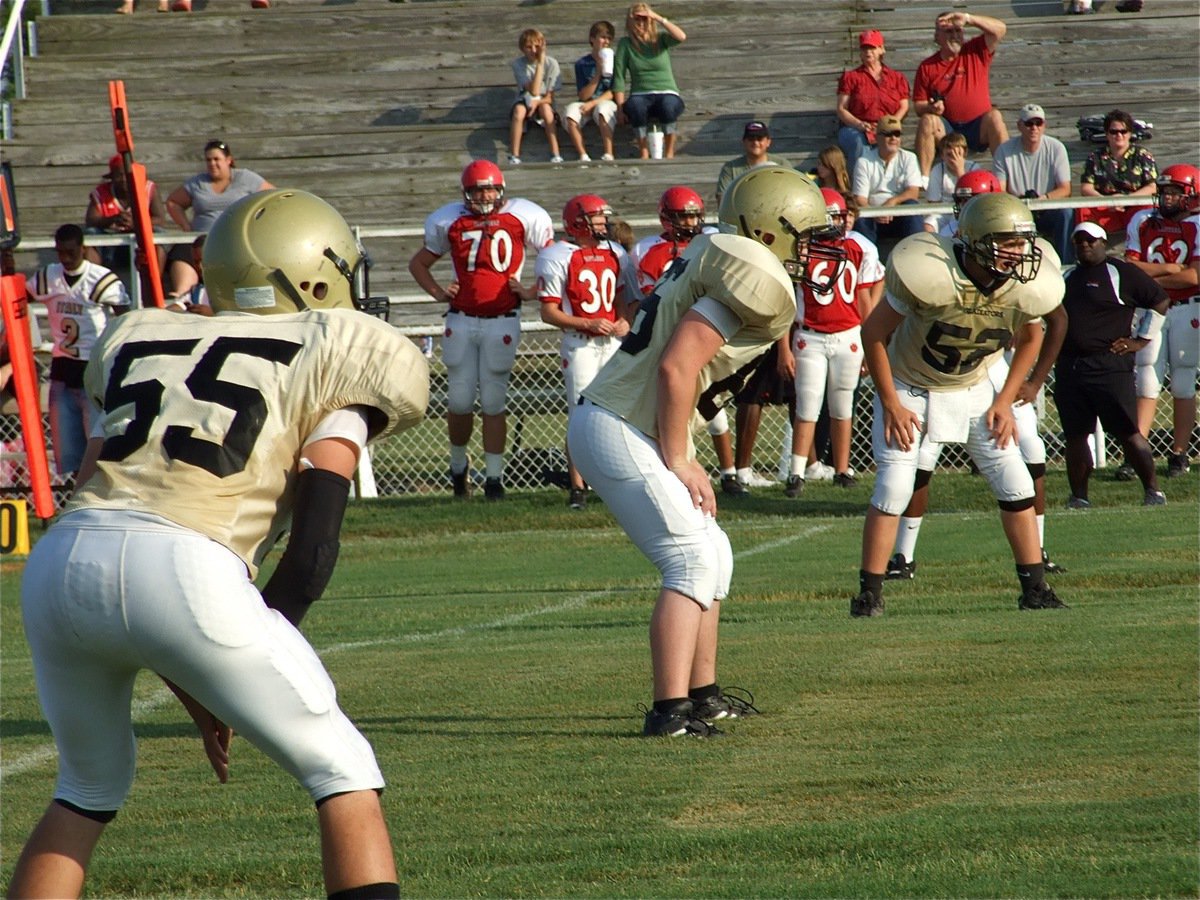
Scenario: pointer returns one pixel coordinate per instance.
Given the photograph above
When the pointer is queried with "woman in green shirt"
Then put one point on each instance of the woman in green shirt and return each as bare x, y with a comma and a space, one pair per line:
643, 84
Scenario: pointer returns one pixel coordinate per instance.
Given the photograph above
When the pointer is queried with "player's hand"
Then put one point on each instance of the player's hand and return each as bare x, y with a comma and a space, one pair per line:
884, 220
452, 290
1001, 423
785, 364
215, 733
699, 485
603, 327
1027, 392
124, 220
1125, 346
199, 309
900, 427
620, 328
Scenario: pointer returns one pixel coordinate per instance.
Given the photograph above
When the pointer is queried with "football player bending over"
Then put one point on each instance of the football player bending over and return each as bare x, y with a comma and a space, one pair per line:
219, 434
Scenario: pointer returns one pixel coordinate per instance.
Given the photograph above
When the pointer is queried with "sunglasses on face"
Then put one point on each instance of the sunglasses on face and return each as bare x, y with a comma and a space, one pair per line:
1034, 123
1085, 239
1118, 131
892, 134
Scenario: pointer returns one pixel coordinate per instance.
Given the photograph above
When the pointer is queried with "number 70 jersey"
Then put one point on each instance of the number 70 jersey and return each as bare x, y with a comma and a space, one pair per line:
951, 328
204, 419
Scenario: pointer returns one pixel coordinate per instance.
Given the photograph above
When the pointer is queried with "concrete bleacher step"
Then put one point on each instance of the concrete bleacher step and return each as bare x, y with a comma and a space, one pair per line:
377, 105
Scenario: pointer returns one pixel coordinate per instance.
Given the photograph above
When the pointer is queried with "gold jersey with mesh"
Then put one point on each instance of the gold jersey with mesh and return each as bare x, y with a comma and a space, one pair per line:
204, 419
951, 330
736, 272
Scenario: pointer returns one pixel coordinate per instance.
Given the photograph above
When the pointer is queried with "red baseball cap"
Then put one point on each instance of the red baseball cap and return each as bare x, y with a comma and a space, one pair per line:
870, 38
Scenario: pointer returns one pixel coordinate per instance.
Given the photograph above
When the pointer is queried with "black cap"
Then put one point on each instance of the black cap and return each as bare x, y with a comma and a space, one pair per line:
756, 129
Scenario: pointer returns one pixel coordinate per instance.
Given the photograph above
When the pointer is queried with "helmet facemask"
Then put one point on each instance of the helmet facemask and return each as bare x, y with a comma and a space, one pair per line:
822, 244
475, 200
1008, 254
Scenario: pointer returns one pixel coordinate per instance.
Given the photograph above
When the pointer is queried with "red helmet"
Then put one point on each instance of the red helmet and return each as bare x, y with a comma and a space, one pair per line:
977, 181
480, 174
578, 215
835, 205
679, 203
1187, 180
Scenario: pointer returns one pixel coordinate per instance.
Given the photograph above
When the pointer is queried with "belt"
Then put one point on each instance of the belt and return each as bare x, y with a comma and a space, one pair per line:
470, 315
588, 336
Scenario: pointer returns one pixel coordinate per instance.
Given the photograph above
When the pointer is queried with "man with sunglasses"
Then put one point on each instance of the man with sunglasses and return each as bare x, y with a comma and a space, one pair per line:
1093, 377
887, 175
951, 91
1035, 166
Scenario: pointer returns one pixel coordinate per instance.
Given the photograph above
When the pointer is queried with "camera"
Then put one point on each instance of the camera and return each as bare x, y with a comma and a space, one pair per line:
936, 96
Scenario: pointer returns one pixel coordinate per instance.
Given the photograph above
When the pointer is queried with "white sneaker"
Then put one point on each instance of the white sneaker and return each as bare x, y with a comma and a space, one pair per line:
556, 159
755, 480
583, 157
818, 471
607, 157
514, 160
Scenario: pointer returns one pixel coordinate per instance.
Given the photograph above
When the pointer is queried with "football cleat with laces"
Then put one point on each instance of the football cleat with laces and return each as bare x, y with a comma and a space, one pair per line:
898, 568
678, 721
728, 703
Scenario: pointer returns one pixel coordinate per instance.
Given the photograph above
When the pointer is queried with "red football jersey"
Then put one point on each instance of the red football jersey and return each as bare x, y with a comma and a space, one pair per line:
585, 281
1152, 238
836, 309
651, 257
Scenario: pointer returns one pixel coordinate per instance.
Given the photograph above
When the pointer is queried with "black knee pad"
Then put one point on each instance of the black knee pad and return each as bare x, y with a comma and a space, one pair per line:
1016, 505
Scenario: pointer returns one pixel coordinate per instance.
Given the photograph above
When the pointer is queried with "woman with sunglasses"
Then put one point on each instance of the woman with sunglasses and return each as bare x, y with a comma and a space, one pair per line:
643, 84
1120, 167
207, 195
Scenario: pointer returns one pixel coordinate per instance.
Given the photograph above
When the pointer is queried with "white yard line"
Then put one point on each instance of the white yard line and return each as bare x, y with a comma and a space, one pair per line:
160, 696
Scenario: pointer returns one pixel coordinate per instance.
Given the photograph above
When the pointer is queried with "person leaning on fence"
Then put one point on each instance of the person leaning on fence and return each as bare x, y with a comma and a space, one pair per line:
80, 298
867, 94
1035, 166
1120, 167
486, 236
644, 85
538, 79
1093, 378
593, 88
109, 211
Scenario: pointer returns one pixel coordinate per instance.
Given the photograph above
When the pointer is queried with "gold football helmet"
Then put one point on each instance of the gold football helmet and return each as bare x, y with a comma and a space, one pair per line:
785, 212
997, 231
282, 251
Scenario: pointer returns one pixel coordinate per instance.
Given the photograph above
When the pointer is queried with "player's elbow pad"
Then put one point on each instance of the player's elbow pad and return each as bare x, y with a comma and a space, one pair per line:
307, 564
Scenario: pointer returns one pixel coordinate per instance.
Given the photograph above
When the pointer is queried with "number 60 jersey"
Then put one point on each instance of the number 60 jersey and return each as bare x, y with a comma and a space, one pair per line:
951, 328
204, 418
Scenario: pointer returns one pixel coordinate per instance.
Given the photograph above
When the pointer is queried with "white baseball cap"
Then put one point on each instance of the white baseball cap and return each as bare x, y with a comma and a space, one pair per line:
1031, 111
1091, 229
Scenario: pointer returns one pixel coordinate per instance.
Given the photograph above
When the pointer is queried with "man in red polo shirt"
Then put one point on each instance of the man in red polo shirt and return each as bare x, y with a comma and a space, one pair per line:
951, 92
867, 94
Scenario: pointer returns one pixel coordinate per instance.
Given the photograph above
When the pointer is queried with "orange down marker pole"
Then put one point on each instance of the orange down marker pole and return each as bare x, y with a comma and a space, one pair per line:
135, 175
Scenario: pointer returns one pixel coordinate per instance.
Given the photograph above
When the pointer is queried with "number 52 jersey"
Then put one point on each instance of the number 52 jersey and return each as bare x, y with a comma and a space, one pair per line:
204, 419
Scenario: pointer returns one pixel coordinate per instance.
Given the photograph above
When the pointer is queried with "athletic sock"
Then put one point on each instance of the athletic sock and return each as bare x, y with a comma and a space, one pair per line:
799, 464
704, 693
869, 581
1032, 577
495, 464
906, 537
665, 706
458, 458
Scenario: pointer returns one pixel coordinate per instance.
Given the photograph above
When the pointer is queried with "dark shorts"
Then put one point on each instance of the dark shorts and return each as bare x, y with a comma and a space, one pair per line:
969, 130
765, 386
1088, 388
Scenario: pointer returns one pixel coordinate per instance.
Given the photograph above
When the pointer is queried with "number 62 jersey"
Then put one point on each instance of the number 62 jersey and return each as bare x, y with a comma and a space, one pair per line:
951, 329
204, 419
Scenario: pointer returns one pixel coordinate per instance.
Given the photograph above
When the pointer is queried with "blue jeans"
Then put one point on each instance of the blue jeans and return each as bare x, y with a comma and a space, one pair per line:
641, 108
70, 422
853, 143
899, 228
1055, 225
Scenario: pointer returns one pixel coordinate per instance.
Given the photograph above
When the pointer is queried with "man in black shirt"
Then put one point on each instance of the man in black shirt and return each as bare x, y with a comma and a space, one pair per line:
1094, 373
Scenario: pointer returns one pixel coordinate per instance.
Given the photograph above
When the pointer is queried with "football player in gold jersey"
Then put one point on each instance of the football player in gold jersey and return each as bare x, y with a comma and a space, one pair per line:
952, 305
694, 341
218, 434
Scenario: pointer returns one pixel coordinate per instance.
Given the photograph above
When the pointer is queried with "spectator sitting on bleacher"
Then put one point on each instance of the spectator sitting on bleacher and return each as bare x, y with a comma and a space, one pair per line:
756, 141
887, 175
831, 170
538, 80
109, 212
865, 95
644, 86
593, 83
951, 90
1118, 168
1035, 166
944, 175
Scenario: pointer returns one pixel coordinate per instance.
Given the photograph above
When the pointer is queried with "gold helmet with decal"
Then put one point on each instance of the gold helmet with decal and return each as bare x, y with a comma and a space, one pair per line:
998, 232
281, 251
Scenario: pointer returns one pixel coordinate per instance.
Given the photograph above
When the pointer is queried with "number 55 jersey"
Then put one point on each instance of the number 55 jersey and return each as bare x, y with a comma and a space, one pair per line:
204, 418
951, 328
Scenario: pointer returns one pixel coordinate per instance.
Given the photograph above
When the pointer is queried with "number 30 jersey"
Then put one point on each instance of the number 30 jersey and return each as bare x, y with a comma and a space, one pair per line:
204, 419
951, 328
737, 272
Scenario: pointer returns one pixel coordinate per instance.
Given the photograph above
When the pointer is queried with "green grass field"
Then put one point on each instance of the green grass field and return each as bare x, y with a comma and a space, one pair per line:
495, 654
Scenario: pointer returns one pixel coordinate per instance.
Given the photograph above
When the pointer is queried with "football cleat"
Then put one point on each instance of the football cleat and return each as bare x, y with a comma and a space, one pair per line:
577, 499
866, 605
1154, 498
729, 703
1177, 464
756, 481
493, 489
731, 486
1074, 502
1040, 598
462, 482
899, 569
845, 479
679, 721
1050, 567
818, 471
795, 486
1124, 473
